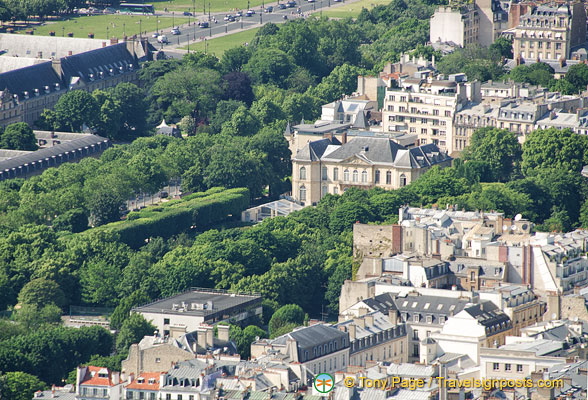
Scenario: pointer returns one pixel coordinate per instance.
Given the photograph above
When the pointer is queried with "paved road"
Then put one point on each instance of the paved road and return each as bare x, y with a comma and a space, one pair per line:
194, 33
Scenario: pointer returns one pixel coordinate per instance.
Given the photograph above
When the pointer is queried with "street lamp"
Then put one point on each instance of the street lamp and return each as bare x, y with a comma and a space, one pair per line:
140, 30
173, 19
124, 30
157, 20
107, 37
63, 31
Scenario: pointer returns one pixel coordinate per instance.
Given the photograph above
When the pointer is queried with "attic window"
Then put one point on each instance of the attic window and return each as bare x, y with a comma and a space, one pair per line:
414, 304
427, 306
439, 307
141, 380
452, 307
151, 381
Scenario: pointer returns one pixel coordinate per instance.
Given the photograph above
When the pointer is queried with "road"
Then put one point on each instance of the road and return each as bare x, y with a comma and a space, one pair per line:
194, 33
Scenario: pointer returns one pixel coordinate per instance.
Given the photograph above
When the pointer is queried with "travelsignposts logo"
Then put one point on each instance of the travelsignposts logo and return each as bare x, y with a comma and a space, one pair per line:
324, 383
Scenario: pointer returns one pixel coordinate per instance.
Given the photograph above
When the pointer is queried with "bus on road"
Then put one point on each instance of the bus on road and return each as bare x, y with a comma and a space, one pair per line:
128, 8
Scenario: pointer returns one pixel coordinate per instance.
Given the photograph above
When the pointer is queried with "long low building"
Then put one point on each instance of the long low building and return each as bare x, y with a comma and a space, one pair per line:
35, 162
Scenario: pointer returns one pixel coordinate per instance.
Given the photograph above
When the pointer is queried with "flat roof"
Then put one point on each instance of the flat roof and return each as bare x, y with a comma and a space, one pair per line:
200, 302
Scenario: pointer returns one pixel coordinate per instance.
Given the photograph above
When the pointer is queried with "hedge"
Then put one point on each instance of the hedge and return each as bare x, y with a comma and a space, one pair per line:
198, 209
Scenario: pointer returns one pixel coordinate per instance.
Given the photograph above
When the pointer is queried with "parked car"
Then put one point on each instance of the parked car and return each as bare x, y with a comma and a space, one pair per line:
164, 195
291, 4
176, 31
227, 17
187, 13
231, 19
203, 24
162, 39
285, 17
269, 9
282, 6
250, 13
155, 35
239, 14
109, 10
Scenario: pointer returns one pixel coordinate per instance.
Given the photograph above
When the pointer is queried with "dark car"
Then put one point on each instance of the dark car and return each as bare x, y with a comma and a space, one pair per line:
282, 6
231, 18
203, 24
291, 4
269, 9
187, 13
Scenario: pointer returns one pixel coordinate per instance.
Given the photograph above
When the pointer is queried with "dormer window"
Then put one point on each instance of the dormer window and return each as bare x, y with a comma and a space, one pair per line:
141, 380
111, 72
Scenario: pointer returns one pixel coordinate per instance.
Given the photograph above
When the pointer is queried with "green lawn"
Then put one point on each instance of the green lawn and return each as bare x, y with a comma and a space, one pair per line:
97, 24
215, 5
221, 44
352, 9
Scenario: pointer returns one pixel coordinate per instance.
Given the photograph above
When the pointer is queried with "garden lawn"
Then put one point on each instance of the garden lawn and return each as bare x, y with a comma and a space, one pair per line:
219, 45
97, 24
350, 10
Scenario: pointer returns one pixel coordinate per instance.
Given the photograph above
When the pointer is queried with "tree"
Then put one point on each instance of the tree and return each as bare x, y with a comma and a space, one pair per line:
288, 314
237, 86
18, 136
341, 81
346, 214
75, 220
553, 149
131, 102
502, 46
40, 292
338, 269
584, 215
242, 123
19, 386
75, 109
109, 120
99, 281
132, 331
244, 337
269, 66
498, 148
122, 311
33, 317
235, 58
224, 112
577, 75
266, 111
188, 91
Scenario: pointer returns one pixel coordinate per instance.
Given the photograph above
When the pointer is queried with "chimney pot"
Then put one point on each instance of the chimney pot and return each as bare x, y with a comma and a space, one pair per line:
70, 53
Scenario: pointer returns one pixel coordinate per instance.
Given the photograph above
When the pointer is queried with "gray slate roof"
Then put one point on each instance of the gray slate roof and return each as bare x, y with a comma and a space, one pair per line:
49, 152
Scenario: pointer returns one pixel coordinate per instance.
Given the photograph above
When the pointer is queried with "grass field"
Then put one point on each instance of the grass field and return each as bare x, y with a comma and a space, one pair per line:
97, 24
353, 9
221, 44
215, 5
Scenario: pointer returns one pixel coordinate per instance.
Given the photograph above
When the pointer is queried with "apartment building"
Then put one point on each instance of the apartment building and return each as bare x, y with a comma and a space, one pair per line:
467, 23
550, 32
376, 337
98, 383
518, 302
322, 167
316, 349
427, 108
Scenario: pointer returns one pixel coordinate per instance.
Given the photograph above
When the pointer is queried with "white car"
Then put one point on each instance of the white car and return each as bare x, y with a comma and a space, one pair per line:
176, 31
162, 39
155, 35
227, 17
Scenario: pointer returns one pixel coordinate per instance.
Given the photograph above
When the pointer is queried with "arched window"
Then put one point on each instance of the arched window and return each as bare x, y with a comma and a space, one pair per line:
402, 180
302, 193
388, 178
346, 175
377, 176
355, 176
302, 174
364, 177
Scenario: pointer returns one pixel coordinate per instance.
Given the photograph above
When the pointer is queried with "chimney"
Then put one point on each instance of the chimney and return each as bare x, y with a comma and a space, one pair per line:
223, 332
161, 380
56, 64
344, 137
201, 337
53, 391
209, 336
369, 320
70, 53
393, 315
359, 322
113, 40
40, 54
363, 311
103, 44
116, 377
351, 330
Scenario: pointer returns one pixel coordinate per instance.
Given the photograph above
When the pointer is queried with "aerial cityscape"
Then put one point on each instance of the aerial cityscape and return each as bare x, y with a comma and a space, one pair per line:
294, 200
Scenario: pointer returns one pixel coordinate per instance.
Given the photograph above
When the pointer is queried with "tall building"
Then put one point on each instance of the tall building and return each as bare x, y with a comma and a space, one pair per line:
321, 167
466, 23
427, 108
550, 32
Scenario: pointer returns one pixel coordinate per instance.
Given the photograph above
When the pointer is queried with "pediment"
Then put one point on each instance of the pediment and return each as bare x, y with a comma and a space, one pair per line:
356, 160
